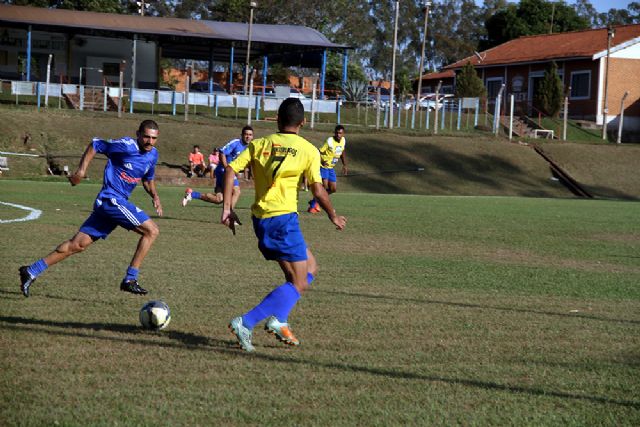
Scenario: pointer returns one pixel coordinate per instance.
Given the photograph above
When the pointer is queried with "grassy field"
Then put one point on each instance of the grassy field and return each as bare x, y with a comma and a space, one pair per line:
426, 311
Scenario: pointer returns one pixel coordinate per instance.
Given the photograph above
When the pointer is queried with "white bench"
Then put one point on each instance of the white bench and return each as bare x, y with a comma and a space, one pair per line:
547, 133
4, 164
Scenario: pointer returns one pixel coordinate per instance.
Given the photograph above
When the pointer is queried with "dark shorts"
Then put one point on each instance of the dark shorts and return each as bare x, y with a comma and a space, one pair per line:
328, 174
108, 214
280, 238
220, 180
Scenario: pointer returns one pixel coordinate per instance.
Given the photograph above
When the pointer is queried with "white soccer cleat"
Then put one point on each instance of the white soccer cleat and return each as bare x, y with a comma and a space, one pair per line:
281, 330
242, 333
187, 197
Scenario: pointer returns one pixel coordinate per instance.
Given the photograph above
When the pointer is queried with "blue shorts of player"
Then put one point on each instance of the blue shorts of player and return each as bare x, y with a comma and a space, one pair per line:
280, 238
108, 214
328, 174
220, 178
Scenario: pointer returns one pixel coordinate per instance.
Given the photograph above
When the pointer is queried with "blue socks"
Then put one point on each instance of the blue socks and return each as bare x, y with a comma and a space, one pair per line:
278, 303
195, 194
37, 268
132, 274
310, 278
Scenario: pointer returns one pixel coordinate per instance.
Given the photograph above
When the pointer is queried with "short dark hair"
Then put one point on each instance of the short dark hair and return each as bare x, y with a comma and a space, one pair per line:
148, 124
196, 146
291, 112
246, 128
338, 127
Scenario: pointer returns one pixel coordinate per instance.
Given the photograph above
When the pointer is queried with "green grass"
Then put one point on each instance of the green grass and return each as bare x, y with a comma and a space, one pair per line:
426, 311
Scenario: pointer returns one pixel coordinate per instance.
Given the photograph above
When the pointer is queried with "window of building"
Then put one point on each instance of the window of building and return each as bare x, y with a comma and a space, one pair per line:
581, 85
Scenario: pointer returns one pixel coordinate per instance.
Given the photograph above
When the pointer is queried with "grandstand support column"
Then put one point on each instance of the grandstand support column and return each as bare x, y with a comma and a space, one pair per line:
323, 73
210, 69
134, 54
345, 62
265, 70
231, 69
29, 54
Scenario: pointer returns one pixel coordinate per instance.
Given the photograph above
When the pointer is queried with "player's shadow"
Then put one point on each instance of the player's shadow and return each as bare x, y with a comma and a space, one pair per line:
481, 306
197, 342
6, 294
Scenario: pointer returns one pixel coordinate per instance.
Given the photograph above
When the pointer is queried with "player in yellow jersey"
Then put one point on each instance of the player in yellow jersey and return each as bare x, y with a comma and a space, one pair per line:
330, 153
277, 162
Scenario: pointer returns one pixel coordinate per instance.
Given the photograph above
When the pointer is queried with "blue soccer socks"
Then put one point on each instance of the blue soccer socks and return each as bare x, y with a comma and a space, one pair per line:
37, 268
132, 274
195, 194
278, 303
310, 278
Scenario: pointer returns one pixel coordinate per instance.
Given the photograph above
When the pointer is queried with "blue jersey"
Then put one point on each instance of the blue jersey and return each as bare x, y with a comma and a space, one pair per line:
126, 166
231, 151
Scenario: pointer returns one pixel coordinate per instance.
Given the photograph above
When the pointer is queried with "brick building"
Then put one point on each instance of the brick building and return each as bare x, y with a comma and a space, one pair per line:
581, 57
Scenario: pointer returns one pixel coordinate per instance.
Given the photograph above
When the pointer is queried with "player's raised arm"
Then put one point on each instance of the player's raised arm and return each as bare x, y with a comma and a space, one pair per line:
320, 194
85, 161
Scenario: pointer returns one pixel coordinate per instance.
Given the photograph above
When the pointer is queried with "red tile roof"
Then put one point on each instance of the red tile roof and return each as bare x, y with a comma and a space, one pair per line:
576, 44
448, 74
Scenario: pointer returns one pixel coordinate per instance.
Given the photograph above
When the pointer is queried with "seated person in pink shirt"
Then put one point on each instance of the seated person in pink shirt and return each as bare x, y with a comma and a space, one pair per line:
214, 159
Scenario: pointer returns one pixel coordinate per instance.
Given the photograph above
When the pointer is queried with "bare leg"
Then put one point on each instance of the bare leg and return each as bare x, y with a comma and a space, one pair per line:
235, 195
211, 197
149, 232
296, 272
77, 243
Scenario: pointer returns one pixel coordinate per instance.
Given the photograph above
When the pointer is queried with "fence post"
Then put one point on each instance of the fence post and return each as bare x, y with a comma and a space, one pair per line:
435, 108
215, 103
459, 114
104, 98
444, 112
413, 115
378, 109
313, 103
511, 118
564, 119
38, 94
131, 100
186, 98
81, 97
46, 88
496, 116
338, 110
427, 119
475, 118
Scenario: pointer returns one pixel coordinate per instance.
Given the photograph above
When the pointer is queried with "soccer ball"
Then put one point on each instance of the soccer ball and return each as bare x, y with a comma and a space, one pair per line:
155, 315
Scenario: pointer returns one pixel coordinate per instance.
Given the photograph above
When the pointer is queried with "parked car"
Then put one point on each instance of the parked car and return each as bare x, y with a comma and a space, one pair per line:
429, 101
204, 87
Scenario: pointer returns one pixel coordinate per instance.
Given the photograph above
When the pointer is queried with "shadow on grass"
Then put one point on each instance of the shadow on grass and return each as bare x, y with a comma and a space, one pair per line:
486, 307
198, 342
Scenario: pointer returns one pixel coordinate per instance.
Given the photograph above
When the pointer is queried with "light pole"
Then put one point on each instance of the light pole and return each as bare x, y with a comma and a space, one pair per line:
252, 5
611, 32
393, 66
87, 68
427, 4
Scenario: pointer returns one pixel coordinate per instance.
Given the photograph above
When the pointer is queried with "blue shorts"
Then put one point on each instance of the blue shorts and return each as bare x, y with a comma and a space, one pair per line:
328, 174
109, 213
220, 179
280, 238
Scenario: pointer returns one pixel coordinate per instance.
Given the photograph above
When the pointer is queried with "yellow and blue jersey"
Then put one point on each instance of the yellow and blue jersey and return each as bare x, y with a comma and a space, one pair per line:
331, 151
278, 161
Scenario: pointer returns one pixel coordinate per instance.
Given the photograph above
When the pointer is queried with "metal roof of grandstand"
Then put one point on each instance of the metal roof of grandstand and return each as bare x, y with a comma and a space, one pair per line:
181, 33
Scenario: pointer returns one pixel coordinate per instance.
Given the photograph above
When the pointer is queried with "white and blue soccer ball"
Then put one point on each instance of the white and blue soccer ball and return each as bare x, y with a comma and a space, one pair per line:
155, 315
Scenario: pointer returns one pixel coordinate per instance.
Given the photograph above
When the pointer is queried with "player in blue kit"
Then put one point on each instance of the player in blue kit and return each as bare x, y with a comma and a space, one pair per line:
228, 153
129, 162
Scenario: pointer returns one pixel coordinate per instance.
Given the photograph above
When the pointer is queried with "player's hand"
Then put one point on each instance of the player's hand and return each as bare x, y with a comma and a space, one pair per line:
230, 219
339, 221
75, 179
157, 205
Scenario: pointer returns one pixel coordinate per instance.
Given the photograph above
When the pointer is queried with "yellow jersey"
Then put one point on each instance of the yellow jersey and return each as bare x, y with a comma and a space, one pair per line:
331, 151
278, 161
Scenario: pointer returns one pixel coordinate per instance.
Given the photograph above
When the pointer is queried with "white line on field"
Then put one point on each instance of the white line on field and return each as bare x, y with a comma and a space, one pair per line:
33, 213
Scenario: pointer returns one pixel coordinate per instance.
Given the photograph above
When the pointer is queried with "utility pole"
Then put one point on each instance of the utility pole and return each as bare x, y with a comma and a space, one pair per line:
427, 4
393, 66
142, 6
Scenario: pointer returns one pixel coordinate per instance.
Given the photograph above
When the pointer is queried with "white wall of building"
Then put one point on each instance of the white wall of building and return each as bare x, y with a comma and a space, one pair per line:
631, 52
